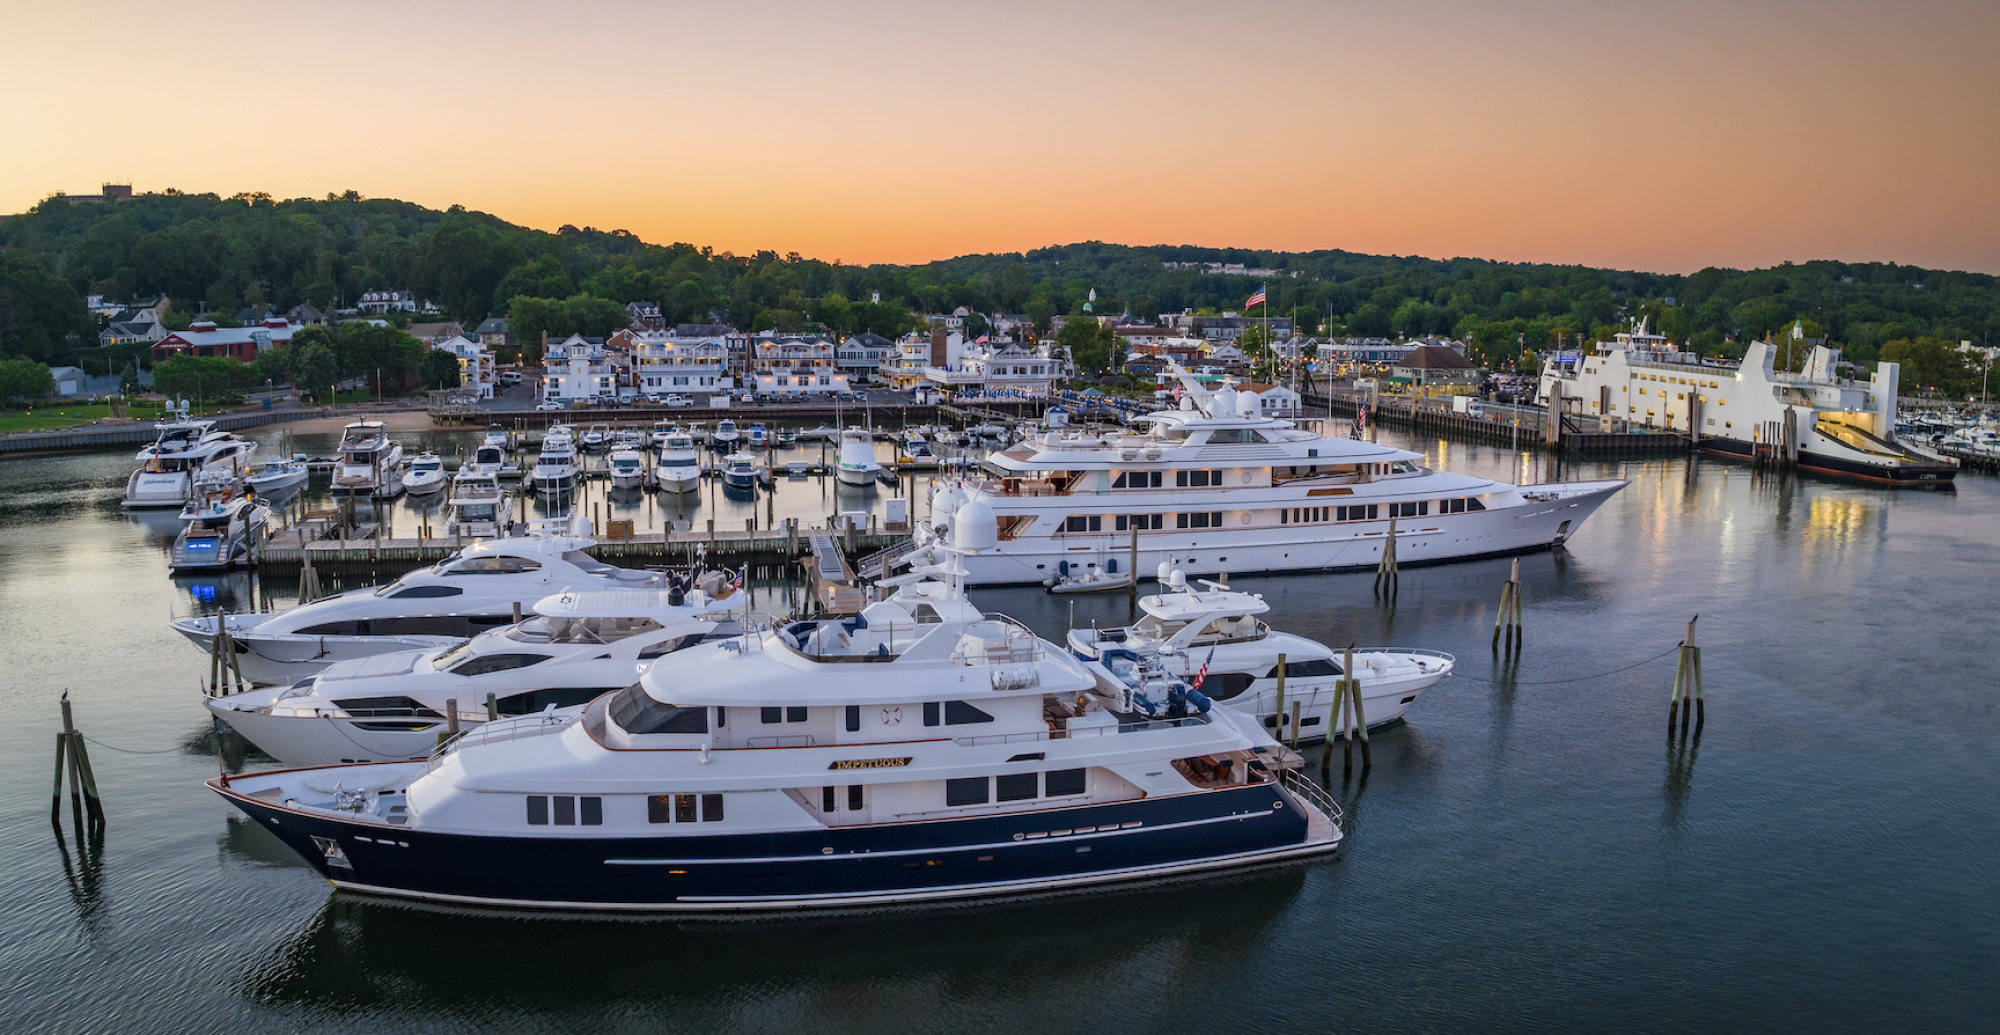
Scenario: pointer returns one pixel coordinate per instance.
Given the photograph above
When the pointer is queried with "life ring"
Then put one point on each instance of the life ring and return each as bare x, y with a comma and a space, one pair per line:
892, 716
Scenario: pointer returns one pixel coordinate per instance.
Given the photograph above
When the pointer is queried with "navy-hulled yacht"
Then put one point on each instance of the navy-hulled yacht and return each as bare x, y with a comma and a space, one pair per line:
921, 750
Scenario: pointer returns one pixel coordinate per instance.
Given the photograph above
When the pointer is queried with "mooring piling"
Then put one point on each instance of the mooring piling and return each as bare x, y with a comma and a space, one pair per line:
1360, 716
1685, 702
1509, 615
1278, 723
1386, 575
82, 782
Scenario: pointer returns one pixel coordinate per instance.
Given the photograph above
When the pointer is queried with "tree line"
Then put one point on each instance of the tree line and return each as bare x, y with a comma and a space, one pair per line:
223, 253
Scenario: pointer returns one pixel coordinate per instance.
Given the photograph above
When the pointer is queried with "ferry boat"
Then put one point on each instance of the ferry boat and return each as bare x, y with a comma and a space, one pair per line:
1828, 424
181, 451
370, 464
679, 466
1213, 635
392, 707
1214, 487
476, 507
857, 465
919, 751
477, 588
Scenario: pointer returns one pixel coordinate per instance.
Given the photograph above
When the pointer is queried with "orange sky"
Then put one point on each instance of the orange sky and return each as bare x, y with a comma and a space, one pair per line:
1660, 136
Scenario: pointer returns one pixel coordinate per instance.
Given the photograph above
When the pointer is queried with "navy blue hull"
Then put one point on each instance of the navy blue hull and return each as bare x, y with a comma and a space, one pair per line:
1902, 475
832, 867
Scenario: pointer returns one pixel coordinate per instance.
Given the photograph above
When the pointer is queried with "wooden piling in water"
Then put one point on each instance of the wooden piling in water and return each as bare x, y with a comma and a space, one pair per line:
1360, 716
55, 792
75, 771
1385, 570
1684, 704
93, 803
1278, 724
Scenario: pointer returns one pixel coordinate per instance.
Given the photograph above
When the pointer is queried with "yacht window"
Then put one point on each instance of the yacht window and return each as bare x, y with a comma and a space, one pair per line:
795, 715
535, 700
1232, 435
1137, 480
711, 808
1415, 508
659, 808
1306, 669
1403, 467
959, 713
538, 810
826, 799
1065, 781
684, 808
445, 661
856, 797
565, 810
1209, 519
593, 812
1357, 512
368, 707
1142, 522
969, 791
853, 718
429, 591
772, 716
670, 645
635, 712
493, 566
1197, 479
1017, 786
1083, 523
1224, 686
930, 713
489, 663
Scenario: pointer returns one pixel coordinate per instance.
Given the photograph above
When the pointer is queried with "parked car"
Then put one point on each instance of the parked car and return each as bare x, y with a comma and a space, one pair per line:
549, 404
676, 399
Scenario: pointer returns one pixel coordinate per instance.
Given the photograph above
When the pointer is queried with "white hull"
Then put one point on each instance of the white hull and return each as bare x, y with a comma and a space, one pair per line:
274, 483
1351, 545
858, 479
172, 489
286, 657
679, 479
328, 740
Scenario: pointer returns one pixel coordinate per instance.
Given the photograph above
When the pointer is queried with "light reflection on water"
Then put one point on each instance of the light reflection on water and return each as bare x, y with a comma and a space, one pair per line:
1529, 851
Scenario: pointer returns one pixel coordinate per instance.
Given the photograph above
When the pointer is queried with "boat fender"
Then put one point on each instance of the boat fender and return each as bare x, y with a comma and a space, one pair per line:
1062, 568
1144, 705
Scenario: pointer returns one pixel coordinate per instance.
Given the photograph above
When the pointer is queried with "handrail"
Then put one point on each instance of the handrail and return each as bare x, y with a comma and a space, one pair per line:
1309, 792
1075, 732
500, 731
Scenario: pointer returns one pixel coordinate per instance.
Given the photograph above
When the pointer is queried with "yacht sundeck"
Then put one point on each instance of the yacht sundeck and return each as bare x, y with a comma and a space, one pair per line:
477, 506
918, 751
576, 647
1215, 487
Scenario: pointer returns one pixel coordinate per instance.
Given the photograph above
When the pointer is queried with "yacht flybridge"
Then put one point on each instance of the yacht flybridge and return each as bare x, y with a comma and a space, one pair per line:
918, 751
371, 463
478, 588
1829, 424
1214, 487
1188, 632
390, 707
182, 451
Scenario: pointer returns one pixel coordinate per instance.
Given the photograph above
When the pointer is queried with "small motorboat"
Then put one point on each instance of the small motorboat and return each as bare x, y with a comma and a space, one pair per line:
628, 468
279, 475
758, 437
788, 436
823, 433
426, 475
1089, 579
740, 471
477, 506
594, 438
725, 436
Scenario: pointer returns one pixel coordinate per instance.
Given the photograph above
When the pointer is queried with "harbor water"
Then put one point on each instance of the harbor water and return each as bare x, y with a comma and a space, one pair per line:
1529, 853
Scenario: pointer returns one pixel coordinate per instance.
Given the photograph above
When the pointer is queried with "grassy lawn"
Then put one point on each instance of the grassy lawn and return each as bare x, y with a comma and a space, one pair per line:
57, 415
358, 396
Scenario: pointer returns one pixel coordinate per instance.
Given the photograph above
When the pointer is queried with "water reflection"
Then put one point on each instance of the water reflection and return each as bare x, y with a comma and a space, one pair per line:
1180, 939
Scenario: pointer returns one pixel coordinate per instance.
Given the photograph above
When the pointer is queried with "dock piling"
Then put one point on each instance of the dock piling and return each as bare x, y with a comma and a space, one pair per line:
1684, 703
1280, 707
492, 707
1386, 576
1360, 716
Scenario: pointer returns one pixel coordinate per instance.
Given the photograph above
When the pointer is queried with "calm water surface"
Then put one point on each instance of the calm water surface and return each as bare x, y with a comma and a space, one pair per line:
1529, 854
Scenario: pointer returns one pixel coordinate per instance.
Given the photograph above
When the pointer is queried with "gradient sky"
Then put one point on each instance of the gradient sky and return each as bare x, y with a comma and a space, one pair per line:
1662, 136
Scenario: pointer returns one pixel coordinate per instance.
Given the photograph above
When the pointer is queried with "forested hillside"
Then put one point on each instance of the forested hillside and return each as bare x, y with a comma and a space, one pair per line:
224, 253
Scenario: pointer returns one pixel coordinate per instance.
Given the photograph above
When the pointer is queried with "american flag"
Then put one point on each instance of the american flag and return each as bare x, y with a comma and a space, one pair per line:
737, 581
1202, 673
1360, 422
981, 340
1256, 299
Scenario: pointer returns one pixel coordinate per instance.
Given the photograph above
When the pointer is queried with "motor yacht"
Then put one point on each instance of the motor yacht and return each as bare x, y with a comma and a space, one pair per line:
426, 475
370, 464
918, 751
576, 647
758, 437
740, 471
725, 436
786, 436
628, 468
1187, 632
661, 429
556, 471
218, 530
181, 450
1214, 486
857, 466
679, 466
277, 476
475, 589
476, 507
594, 438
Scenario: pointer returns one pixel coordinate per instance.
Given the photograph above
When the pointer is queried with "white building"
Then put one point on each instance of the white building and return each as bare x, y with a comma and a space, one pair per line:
1272, 400
399, 301
916, 353
664, 362
862, 355
577, 368
796, 366
1003, 369
477, 371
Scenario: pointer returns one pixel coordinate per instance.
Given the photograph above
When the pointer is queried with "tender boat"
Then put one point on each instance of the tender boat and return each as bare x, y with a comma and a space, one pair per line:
918, 751
628, 468
1215, 487
576, 647
370, 464
1187, 632
476, 589
679, 466
1089, 578
698, 430
277, 476
740, 471
661, 429
556, 472
219, 530
857, 466
426, 475
182, 450
477, 506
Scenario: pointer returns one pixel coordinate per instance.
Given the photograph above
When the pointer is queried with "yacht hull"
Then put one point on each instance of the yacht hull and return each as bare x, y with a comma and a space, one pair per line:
1812, 461
823, 867
284, 657
860, 479
332, 741
1536, 526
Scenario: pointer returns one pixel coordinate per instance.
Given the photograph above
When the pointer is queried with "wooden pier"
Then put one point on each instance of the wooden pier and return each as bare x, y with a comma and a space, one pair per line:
1518, 427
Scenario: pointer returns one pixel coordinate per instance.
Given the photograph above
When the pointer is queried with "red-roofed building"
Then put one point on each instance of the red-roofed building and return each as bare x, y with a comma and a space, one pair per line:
204, 338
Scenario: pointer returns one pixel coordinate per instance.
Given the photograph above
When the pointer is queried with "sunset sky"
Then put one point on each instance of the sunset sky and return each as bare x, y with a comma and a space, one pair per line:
1661, 136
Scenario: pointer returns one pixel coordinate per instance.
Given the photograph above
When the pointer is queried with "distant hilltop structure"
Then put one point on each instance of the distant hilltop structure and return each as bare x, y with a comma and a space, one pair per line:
113, 192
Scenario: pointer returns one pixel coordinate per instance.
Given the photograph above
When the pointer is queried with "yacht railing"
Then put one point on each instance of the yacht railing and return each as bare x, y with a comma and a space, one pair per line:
1308, 792
500, 731
1074, 733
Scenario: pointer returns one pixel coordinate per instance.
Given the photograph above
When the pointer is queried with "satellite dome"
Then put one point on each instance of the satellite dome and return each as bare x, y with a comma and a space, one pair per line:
974, 527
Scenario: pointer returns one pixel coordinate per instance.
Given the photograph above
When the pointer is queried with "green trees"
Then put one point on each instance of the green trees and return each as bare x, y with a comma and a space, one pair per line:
204, 379
438, 369
528, 318
1093, 346
1934, 364
24, 379
41, 317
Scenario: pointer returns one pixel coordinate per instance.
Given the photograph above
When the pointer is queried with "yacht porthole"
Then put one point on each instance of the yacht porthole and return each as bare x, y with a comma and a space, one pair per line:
826, 851
1246, 514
